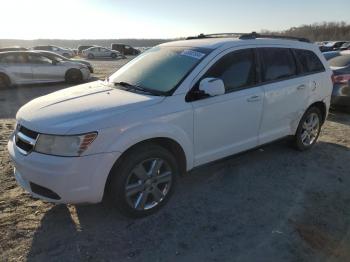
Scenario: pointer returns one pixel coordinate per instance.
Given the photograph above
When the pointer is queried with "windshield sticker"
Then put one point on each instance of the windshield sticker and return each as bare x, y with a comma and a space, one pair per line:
193, 54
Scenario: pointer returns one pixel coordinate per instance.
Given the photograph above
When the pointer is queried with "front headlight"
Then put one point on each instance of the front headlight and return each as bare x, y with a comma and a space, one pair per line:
64, 145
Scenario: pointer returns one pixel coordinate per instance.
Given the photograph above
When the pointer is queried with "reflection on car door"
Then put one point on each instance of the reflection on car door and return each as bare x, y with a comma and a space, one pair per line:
45, 70
17, 67
227, 124
285, 94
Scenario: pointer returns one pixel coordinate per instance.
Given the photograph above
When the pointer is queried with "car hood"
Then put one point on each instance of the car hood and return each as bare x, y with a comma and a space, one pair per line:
83, 108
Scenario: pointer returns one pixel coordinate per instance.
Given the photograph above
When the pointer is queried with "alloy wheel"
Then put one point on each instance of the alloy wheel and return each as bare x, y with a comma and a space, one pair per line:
310, 129
148, 183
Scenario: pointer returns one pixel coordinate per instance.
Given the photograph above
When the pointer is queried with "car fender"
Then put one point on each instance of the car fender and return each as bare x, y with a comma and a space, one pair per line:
140, 133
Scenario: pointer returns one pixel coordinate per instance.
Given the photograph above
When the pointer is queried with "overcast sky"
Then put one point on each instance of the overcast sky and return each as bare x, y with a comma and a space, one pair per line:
78, 19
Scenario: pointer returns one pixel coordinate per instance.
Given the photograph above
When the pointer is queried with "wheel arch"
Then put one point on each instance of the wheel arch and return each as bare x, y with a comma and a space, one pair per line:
7, 77
70, 70
168, 143
322, 107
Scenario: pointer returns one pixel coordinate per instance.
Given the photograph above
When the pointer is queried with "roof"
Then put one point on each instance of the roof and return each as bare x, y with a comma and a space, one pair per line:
214, 43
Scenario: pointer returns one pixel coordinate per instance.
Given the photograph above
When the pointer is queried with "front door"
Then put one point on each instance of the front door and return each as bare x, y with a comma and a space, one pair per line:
228, 124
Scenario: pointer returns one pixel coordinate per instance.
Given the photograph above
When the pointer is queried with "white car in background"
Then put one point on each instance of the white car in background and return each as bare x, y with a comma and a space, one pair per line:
174, 107
100, 52
29, 67
69, 53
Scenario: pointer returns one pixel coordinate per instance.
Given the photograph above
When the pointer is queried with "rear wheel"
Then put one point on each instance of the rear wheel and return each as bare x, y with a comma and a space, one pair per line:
91, 56
74, 76
143, 181
4, 81
309, 129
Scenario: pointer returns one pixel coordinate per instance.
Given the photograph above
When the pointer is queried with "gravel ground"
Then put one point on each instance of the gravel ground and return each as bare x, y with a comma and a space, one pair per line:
269, 204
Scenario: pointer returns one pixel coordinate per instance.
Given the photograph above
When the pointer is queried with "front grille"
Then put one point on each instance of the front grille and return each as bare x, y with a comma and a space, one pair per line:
25, 139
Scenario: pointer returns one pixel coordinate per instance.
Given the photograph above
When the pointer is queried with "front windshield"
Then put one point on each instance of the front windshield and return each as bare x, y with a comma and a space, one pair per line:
160, 69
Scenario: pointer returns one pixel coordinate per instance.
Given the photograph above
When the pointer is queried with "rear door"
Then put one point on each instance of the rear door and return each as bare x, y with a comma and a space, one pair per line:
45, 69
15, 64
286, 93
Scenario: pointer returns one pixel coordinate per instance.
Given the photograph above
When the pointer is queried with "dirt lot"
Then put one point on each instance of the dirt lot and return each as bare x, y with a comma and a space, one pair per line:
270, 204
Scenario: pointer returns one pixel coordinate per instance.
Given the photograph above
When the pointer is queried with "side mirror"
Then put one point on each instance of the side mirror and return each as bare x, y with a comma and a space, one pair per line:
212, 86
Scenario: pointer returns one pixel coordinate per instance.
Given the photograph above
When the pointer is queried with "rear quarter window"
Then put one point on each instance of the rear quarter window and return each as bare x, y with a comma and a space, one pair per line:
309, 61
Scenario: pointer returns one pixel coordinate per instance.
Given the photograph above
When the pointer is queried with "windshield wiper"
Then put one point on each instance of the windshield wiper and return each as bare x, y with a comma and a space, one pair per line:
129, 86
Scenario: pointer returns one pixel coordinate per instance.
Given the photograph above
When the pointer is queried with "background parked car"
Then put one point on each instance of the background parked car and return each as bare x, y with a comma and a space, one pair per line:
331, 54
341, 89
99, 52
83, 47
345, 46
28, 67
56, 49
59, 58
125, 49
13, 48
332, 46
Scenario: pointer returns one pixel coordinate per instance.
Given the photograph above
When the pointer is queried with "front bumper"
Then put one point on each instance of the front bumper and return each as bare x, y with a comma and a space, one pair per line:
74, 179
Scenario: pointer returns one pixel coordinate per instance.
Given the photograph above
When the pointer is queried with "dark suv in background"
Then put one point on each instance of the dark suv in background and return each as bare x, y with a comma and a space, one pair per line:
125, 49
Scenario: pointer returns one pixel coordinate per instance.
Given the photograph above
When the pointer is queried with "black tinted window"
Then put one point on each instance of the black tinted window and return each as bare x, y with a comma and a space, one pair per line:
13, 59
278, 63
237, 69
309, 61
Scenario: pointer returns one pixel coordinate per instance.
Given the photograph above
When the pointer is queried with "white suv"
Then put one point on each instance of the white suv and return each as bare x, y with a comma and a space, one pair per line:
175, 107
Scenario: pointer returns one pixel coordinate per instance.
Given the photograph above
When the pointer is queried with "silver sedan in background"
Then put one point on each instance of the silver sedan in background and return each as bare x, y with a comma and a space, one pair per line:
101, 52
29, 67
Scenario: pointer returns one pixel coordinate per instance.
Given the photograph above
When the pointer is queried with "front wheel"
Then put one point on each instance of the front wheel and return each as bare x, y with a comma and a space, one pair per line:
309, 129
114, 56
74, 76
143, 180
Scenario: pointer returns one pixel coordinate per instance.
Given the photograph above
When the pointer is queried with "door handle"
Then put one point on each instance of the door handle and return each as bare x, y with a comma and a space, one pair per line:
301, 87
254, 98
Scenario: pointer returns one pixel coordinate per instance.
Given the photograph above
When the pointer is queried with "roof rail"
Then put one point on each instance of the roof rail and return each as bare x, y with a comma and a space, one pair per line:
247, 36
255, 35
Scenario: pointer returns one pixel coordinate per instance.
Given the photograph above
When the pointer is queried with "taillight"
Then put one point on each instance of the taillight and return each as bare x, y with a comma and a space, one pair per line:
341, 79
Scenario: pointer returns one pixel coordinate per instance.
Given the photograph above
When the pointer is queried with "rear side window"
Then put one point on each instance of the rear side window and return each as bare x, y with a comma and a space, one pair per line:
13, 59
236, 69
278, 63
309, 61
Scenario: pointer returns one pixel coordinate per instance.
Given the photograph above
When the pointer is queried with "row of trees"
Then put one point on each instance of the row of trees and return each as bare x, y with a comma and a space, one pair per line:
318, 32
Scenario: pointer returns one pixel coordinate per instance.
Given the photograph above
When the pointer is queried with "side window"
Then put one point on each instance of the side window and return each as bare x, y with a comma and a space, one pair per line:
37, 59
278, 63
236, 69
13, 59
309, 61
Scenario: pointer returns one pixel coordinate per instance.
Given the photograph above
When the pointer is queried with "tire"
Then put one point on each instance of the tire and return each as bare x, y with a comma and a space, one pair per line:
74, 76
113, 55
91, 56
4, 81
308, 130
146, 195
66, 55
